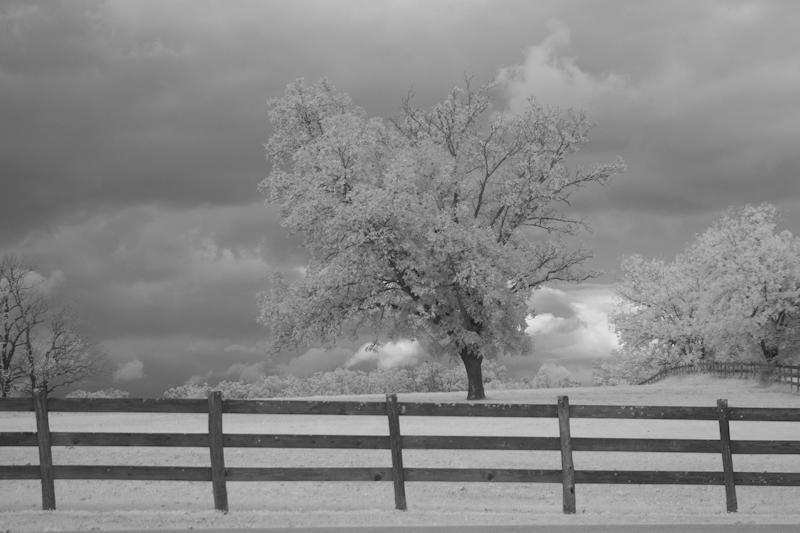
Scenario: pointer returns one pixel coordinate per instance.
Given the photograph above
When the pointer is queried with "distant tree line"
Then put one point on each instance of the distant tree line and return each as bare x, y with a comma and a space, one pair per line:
105, 393
427, 377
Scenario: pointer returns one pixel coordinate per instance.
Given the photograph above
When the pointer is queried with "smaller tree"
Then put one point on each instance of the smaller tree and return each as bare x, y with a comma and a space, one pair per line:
733, 294
42, 342
752, 305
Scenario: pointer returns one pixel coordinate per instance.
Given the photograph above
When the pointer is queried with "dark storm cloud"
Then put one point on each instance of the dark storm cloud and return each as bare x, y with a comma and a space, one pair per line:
699, 100
712, 120
131, 142
137, 102
98, 112
164, 102
169, 272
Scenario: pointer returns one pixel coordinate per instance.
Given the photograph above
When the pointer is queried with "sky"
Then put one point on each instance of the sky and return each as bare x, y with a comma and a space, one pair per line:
132, 144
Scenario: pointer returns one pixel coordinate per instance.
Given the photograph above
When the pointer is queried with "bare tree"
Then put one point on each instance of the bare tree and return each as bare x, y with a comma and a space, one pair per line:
42, 342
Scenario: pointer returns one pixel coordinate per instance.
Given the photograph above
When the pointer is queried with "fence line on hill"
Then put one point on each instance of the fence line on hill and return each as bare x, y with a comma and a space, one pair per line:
219, 475
786, 374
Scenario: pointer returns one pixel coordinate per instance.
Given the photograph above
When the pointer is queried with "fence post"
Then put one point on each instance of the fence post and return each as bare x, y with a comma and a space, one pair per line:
794, 372
727, 457
215, 446
567, 466
45, 450
396, 444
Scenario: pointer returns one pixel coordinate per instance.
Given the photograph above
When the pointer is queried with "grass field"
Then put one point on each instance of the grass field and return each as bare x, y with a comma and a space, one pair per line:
83, 505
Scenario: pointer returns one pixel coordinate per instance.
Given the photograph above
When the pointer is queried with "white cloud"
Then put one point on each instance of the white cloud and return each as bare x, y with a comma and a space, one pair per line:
556, 80
56, 280
244, 372
313, 361
130, 371
543, 324
586, 334
198, 379
389, 355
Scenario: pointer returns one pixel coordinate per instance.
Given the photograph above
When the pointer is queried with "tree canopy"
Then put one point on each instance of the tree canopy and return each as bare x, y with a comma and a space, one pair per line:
733, 294
436, 225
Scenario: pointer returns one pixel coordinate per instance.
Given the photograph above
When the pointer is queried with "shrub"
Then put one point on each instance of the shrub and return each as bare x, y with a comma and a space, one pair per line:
628, 367
552, 376
105, 393
189, 390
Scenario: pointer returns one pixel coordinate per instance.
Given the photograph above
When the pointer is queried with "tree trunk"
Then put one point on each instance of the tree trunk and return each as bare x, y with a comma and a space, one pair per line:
770, 352
5, 383
472, 363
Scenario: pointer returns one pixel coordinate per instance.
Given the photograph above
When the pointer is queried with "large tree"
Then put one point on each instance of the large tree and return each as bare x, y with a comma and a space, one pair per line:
42, 341
436, 225
733, 294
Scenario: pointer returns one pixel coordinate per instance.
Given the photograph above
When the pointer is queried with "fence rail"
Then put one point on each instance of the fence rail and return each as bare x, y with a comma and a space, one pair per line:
216, 441
786, 374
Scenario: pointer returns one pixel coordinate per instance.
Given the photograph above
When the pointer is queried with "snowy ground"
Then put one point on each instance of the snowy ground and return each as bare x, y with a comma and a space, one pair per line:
84, 505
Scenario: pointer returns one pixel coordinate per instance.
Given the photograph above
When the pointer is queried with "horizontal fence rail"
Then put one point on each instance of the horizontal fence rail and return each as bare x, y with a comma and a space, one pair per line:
785, 374
216, 441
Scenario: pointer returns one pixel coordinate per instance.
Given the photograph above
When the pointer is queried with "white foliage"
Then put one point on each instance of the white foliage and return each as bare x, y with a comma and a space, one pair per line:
733, 294
417, 226
105, 393
552, 376
427, 377
629, 367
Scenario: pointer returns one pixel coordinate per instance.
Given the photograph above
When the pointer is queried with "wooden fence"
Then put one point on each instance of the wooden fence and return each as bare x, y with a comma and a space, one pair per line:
219, 475
786, 374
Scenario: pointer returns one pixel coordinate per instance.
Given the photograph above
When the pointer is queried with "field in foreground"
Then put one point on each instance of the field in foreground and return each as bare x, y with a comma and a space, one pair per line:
84, 505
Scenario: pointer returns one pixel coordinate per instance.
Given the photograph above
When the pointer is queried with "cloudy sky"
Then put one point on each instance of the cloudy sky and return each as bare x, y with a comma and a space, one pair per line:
132, 133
